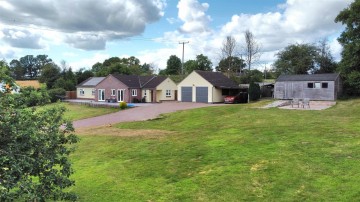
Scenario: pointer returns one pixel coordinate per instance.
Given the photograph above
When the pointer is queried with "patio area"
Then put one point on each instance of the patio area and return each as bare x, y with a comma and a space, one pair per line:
313, 105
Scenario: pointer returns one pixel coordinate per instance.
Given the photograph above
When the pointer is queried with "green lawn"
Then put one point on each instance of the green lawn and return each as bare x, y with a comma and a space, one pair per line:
77, 112
231, 153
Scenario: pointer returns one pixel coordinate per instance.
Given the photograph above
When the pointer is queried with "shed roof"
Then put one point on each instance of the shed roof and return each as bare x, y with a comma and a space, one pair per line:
91, 82
309, 77
218, 79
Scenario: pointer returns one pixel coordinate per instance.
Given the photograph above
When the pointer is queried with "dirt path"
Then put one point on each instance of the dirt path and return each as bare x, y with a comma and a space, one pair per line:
138, 113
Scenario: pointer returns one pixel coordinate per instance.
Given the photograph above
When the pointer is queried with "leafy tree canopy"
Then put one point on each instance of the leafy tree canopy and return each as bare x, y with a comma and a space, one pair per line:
173, 66
231, 65
28, 67
349, 66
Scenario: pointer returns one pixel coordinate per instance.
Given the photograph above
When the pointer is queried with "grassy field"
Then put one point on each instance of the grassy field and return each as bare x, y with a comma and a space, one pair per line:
226, 153
77, 112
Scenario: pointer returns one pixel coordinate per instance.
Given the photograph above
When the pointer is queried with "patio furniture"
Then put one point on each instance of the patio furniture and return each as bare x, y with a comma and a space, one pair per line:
306, 102
295, 101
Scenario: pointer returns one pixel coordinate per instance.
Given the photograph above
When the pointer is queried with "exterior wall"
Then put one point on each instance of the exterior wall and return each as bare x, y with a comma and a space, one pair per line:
217, 95
148, 97
195, 80
109, 83
299, 89
167, 84
87, 93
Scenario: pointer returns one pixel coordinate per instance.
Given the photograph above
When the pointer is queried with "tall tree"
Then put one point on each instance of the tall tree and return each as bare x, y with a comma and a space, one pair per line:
190, 66
203, 63
296, 59
49, 74
325, 61
228, 51
29, 67
82, 74
173, 66
252, 50
350, 40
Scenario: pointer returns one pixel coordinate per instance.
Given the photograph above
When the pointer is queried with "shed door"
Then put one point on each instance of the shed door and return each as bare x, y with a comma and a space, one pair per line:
202, 94
186, 94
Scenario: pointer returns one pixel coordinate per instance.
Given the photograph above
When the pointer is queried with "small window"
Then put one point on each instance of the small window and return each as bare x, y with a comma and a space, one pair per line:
310, 85
145, 93
134, 92
168, 93
82, 93
317, 85
93, 92
112, 92
324, 85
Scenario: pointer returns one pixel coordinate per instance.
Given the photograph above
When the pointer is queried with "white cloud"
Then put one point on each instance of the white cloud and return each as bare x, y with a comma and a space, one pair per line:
107, 19
192, 13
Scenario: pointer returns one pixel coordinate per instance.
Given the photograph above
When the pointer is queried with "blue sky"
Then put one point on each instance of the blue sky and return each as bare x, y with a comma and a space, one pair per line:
84, 32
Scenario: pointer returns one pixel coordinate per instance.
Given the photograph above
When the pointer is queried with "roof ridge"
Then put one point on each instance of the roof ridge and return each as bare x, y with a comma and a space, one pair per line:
141, 86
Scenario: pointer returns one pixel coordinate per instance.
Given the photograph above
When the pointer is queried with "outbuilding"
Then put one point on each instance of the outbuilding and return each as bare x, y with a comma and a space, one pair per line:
206, 87
312, 86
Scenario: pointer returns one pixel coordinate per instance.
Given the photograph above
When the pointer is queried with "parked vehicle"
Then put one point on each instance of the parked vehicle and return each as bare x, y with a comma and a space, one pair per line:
238, 98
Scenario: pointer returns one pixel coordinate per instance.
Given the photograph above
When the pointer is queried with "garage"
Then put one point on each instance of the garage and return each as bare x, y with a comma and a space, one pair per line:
202, 94
186, 93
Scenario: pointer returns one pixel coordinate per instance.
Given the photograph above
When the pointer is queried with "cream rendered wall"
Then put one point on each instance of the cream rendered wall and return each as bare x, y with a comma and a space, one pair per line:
195, 80
87, 93
167, 84
148, 95
217, 95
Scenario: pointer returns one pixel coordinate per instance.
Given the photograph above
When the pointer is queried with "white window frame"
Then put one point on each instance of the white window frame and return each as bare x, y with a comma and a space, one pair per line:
82, 92
113, 92
134, 92
168, 93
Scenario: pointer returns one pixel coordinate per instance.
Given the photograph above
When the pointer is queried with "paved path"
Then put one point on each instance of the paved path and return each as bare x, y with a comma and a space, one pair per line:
139, 113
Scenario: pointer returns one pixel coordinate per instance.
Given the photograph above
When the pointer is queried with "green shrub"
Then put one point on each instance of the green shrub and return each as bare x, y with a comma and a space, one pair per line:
254, 91
29, 97
56, 93
123, 105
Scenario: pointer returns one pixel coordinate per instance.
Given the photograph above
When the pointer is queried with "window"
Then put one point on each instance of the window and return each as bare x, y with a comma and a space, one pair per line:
82, 93
310, 85
168, 93
112, 92
134, 92
93, 92
324, 85
317, 85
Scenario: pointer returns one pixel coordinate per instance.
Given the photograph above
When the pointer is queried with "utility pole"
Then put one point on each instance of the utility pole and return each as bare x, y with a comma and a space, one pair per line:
182, 62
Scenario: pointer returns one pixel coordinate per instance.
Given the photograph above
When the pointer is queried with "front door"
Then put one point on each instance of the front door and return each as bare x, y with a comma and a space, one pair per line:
120, 95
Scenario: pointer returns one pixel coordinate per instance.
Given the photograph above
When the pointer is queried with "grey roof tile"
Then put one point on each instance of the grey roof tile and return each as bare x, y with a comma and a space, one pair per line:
218, 79
309, 77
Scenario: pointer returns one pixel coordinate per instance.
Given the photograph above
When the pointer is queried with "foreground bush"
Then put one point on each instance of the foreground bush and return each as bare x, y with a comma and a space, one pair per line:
55, 93
123, 105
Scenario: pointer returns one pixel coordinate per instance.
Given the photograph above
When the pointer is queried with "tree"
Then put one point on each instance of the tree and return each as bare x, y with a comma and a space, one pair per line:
296, 59
325, 61
49, 74
251, 76
254, 91
228, 52
82, 74
173, 66
235, 65
29, 67
252, 51
190, 66
349, 66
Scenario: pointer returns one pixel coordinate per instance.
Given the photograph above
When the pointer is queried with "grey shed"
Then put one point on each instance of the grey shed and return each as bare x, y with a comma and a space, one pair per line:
312, 86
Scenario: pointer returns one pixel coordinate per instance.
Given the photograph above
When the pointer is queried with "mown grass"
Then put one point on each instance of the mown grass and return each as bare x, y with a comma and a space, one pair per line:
230, 153
76, 112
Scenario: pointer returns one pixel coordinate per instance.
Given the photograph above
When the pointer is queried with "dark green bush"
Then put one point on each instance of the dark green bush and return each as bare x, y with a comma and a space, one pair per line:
254, 91
56, 93
30, 97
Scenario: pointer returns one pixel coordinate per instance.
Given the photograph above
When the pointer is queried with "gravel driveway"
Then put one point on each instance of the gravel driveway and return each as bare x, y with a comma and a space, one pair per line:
138, 113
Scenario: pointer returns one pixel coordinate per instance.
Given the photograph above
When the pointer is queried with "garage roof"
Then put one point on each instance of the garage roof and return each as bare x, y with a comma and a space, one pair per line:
218, 79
